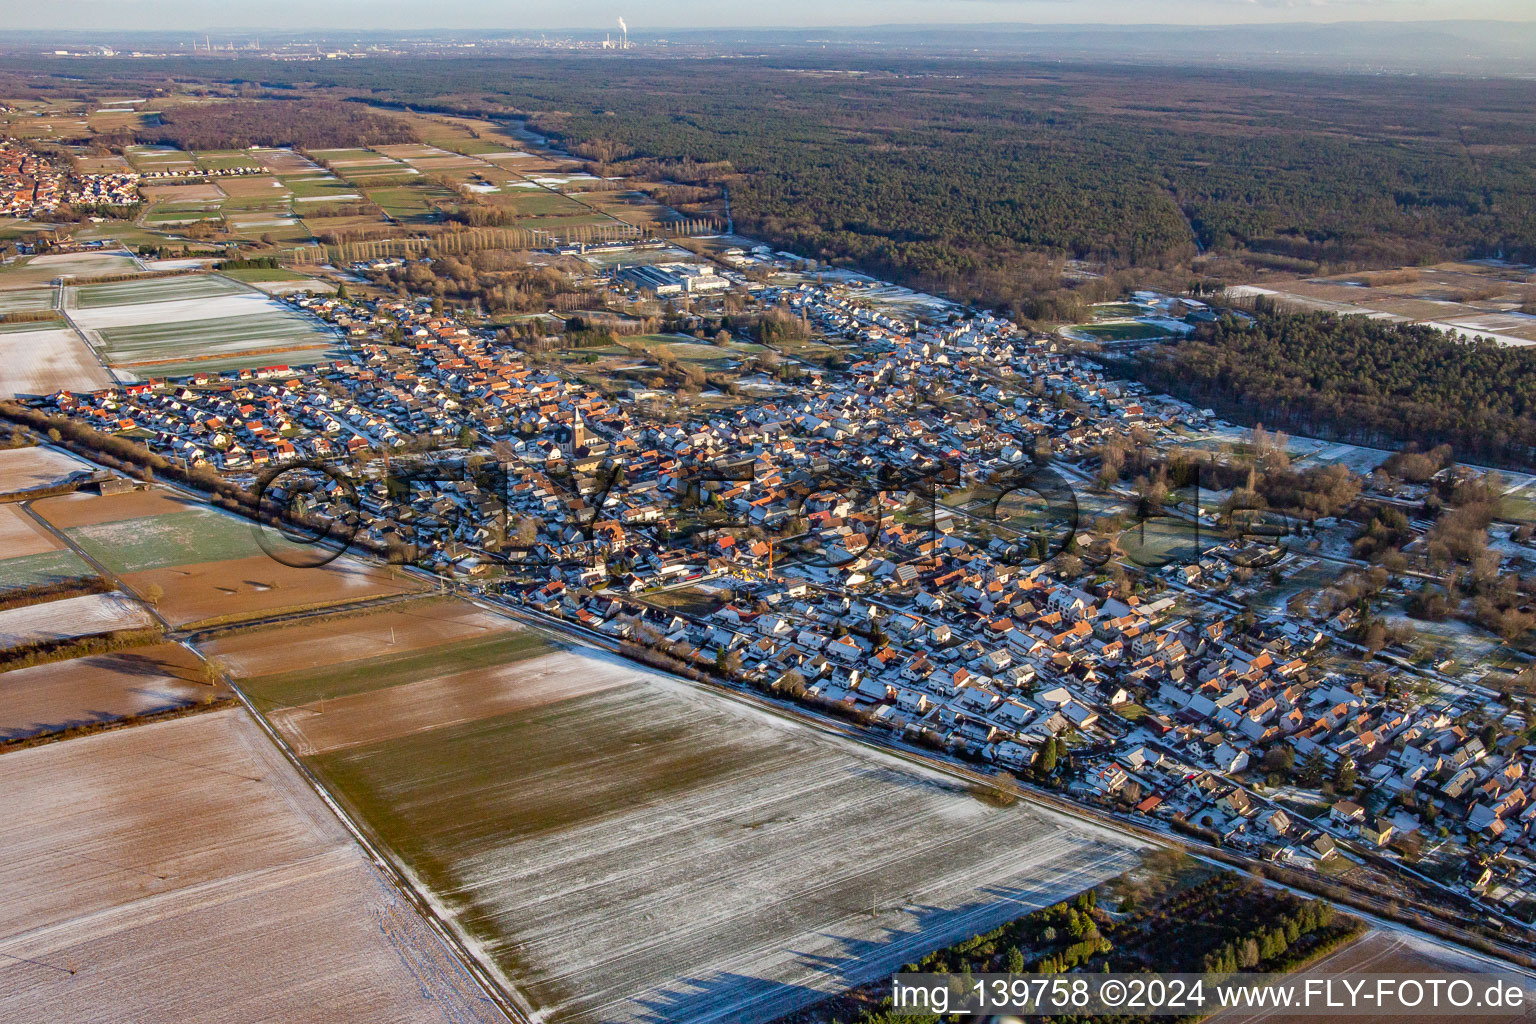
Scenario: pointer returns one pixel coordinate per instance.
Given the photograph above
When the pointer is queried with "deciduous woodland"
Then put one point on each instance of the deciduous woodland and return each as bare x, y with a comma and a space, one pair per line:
307, 124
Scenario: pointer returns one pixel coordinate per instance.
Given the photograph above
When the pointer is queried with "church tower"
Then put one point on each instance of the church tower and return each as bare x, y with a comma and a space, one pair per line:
579, 436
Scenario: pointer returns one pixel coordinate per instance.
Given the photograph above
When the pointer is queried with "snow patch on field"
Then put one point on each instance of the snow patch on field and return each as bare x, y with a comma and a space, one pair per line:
183, 872
46, 361
71, 617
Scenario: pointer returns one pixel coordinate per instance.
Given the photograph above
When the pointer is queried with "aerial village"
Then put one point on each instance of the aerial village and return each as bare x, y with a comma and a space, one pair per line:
833, 536
32, 186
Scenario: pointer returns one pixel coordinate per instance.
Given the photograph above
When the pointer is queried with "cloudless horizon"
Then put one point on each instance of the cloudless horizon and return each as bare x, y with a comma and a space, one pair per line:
86, 16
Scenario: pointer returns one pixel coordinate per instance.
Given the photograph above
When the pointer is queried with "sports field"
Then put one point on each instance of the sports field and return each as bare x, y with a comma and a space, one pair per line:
181, 871
622, 846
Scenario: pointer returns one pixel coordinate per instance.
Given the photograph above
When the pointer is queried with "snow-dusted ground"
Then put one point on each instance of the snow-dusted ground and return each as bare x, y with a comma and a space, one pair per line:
215, 307
184, 872
655, 853
71, 617
47, 360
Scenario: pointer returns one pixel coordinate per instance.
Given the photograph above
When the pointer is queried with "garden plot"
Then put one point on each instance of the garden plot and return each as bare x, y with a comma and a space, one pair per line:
103, 688
622, 846
186, 873
25, 469
247, 323
46, 360
69, 618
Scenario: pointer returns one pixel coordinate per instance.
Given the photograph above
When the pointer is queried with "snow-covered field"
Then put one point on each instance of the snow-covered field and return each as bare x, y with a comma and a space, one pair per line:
647, 851
244, 323
182, 872
71, 617
47, 360
22, 469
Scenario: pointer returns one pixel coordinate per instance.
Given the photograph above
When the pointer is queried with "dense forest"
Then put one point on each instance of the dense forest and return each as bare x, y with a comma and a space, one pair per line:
1360, 380
983, 177
307, 124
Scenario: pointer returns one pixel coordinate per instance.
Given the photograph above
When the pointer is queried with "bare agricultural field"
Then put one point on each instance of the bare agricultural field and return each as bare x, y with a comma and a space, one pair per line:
244, 588
285, 161
21, 535
71, 617
83, 508
627, 847
109, 164
254, 186
102, 688
1388, 952
48, 360
23, 469
305, 647
409, 695
195, 192
184, 872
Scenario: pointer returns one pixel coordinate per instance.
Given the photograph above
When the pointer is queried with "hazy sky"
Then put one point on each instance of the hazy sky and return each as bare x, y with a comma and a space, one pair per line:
652, 15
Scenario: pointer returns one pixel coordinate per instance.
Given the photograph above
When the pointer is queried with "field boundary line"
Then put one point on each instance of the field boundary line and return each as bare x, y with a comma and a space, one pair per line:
509, 1003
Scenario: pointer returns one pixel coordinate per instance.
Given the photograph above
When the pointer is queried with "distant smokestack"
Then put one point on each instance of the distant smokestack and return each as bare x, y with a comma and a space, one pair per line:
623, 28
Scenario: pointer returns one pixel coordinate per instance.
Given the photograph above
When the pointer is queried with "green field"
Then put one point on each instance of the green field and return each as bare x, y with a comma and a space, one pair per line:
407, 202
155, 289
222, 336
313, 186
164, 216
263, 274
529, 203
1132, 330
178, 538
43, 568
1118, 310
690, 350
332, 155
1163, 541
